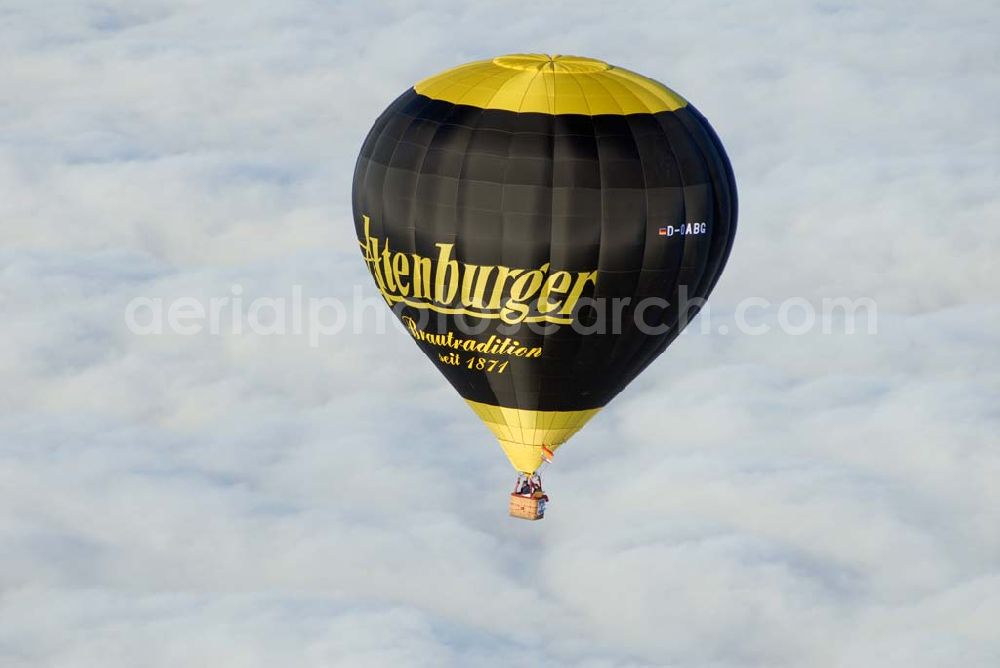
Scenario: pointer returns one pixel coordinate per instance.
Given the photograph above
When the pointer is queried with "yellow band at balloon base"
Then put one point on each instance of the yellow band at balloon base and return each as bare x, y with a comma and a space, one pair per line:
522, 433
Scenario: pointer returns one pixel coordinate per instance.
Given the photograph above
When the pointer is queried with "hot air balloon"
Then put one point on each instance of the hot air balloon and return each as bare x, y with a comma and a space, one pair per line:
544, 227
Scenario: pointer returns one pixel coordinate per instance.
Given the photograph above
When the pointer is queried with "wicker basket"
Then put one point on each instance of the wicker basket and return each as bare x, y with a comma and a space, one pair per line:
526, 508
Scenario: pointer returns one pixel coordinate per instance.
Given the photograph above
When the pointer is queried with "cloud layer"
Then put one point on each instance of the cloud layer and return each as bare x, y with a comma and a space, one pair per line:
823, 499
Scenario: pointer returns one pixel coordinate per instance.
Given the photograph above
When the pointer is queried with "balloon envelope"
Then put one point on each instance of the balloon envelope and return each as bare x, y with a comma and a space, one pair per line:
544, 226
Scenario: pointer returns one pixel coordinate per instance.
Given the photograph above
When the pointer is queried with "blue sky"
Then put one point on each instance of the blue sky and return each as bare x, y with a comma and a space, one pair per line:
244, 499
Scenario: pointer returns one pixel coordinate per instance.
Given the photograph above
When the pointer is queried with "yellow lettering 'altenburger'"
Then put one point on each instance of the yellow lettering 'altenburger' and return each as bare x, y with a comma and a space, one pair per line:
445, 285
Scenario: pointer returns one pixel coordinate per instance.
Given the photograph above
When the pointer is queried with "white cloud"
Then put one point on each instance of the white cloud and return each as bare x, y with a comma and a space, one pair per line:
245, 500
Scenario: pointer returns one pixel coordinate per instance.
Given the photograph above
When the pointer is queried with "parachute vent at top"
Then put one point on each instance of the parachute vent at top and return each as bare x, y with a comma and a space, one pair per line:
539, 224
